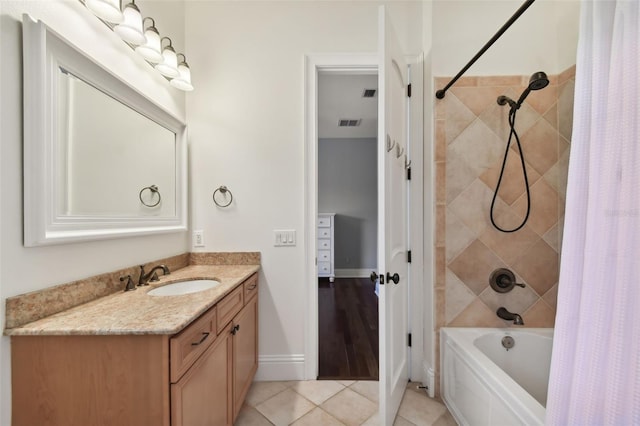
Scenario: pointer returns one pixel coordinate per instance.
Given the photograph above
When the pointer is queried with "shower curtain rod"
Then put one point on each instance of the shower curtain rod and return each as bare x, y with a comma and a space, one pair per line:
440, 93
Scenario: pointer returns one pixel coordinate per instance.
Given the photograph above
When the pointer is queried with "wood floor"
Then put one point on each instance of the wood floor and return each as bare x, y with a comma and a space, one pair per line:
348, 329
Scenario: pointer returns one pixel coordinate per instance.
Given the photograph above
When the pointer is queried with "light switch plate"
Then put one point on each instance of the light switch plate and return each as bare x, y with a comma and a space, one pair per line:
198, 238
284, 237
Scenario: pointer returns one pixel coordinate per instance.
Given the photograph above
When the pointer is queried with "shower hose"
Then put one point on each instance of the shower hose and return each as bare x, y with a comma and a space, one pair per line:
512, 134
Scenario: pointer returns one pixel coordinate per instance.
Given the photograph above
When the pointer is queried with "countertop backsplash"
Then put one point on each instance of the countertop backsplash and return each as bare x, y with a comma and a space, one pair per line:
33, 306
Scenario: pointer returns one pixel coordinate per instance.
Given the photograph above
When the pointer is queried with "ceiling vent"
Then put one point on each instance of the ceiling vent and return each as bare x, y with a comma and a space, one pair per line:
348, 122
369, 93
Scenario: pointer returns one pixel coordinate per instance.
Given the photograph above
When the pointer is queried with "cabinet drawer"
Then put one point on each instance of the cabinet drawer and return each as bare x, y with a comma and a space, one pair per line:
250, 287
187, 346
324, 255
230, 306
324, 222
324, 267
324, 244
324, 232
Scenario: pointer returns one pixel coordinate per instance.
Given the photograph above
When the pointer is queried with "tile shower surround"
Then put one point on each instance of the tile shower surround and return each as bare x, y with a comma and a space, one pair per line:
471, 136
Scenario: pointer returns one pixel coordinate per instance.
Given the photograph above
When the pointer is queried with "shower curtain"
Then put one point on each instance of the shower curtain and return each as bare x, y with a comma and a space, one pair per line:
595, 370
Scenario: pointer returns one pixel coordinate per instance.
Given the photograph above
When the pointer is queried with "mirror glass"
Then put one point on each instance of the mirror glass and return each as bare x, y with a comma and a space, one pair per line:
118, 162
101, 160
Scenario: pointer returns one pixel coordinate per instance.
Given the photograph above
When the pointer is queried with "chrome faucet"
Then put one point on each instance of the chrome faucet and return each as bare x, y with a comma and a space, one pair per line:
509, 316
151, 275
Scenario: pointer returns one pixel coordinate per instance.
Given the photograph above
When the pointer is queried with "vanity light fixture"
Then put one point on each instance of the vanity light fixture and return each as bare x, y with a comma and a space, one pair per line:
107, 10
169, 65
151, 50
130, 30
128, 23
183, 81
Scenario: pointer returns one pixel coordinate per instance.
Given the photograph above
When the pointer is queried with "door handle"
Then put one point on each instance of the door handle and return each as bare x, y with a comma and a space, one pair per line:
374, 277
395, 278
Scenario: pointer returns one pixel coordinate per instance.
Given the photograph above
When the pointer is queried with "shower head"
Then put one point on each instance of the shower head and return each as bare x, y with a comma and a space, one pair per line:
538, 80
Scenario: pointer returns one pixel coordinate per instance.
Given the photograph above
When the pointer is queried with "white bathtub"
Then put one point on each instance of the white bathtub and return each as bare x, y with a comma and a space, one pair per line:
482, 383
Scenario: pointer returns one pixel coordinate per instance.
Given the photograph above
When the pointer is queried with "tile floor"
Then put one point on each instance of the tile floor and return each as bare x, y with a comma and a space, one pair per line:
335, 403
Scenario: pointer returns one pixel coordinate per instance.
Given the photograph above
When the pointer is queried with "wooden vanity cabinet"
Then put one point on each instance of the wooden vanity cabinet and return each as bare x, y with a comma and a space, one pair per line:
198, 377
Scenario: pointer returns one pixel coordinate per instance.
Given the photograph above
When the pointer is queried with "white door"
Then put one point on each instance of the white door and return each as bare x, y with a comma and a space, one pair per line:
392, 219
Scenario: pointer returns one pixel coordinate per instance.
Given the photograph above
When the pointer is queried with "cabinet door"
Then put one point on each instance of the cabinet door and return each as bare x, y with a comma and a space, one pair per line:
202, 397
245, 352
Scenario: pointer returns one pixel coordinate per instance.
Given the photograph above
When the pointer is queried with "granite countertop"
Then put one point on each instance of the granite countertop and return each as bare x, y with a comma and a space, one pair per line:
135, 312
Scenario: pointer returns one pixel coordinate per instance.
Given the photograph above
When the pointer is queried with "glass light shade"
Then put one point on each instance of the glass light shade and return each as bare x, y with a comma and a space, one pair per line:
183, 81
131, 29
107, 10
151, 50
169, 65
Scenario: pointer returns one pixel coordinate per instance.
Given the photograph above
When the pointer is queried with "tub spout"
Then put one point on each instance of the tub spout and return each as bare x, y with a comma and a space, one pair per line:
509, 316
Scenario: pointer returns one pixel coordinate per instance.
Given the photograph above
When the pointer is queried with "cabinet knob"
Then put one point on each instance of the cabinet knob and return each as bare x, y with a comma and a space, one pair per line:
235, 329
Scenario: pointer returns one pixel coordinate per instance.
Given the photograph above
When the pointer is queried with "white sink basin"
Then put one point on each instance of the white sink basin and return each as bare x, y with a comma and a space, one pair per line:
184, 287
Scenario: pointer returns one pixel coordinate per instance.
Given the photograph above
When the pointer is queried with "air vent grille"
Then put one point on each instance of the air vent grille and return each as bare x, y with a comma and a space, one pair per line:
348, 122
369, 93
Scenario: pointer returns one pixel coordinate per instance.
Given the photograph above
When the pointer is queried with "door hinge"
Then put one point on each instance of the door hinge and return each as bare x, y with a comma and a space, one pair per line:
409, 339
409, 90
408, 173
409, 256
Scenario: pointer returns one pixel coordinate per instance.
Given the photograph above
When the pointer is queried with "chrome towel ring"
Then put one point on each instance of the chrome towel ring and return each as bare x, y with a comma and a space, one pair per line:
223, 190
153, 189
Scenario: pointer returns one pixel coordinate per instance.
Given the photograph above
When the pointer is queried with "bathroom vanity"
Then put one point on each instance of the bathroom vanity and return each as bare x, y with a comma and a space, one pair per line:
135, 359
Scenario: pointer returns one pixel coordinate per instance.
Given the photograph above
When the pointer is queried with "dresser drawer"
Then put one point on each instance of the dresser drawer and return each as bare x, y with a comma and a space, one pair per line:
230, 306
324, 222
324, 244
250, 287
187, 346
324, 268
324, 255
324, 232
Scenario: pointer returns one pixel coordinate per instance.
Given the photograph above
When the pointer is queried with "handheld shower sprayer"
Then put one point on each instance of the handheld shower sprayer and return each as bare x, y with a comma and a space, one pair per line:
538, 80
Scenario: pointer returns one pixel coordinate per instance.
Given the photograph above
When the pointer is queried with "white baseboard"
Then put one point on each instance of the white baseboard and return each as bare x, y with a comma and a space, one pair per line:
353, 273
429, 375
280, 367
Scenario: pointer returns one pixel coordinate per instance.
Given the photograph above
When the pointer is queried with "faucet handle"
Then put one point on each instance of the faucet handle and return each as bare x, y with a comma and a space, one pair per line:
130, 285
154, 277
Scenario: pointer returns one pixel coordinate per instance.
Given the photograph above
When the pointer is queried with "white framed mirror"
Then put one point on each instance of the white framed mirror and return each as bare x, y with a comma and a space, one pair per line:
100, 159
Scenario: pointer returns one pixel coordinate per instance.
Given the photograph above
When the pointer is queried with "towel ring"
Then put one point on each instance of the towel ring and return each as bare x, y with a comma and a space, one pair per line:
223, 190
154, 190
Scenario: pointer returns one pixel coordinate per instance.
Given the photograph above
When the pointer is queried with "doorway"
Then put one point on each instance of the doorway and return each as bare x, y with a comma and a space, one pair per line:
347, 208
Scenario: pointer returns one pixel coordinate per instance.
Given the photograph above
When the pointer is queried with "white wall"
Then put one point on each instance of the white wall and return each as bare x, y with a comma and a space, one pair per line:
348, 186
246, 122
29, 269
542, 39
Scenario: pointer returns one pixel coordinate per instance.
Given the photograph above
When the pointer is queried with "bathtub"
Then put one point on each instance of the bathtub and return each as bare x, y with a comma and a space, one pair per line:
483, 383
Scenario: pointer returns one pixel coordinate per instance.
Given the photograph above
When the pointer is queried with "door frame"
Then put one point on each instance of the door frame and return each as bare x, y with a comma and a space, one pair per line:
362, 63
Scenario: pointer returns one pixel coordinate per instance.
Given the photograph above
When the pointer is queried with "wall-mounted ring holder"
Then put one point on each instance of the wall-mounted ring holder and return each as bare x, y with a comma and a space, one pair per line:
503, 280
153, 190
223, 191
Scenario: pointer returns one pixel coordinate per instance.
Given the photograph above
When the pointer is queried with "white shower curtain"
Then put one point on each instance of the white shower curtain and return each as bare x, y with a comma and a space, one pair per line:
595, 370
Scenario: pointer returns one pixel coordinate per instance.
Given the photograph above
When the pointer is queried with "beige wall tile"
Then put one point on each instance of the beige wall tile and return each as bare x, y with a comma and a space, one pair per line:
509, 246
551, 297
458, 175
441, 224
517, 300
441, 263
478, 147
539, 267
552, 238
477, 314
441, 182
458, 117
567, 74
539, 315
441, 141
552, 116
540, 145
545, 208
477, 99
472, 206
565, 109
500, 80
458, 296
542, 100
458, 236
512, 185
474, 266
